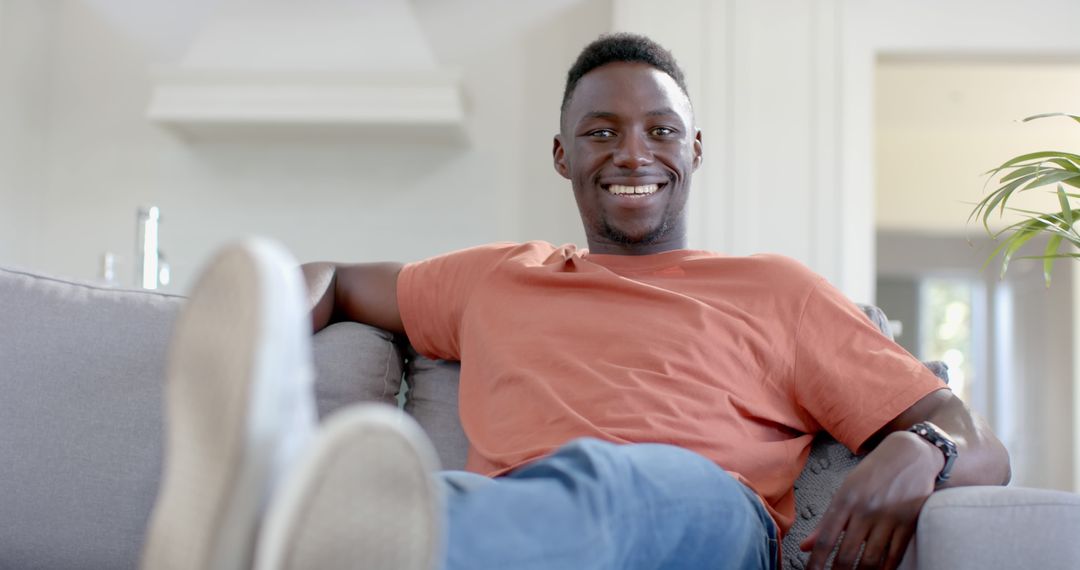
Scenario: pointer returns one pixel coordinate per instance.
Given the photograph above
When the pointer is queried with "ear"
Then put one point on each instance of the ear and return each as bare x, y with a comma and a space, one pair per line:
558, 154
697, 149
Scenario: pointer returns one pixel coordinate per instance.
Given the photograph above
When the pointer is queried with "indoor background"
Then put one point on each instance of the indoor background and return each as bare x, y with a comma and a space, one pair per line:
851, 135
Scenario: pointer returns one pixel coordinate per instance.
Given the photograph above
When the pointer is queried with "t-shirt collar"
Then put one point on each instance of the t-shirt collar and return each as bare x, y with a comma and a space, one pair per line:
641, 262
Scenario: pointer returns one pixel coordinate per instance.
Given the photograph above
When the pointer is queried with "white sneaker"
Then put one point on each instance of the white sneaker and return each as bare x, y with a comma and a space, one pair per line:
363, 498
239, 406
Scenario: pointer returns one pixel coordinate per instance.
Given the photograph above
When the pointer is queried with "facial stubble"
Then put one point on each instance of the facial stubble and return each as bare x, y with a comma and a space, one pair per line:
650, 237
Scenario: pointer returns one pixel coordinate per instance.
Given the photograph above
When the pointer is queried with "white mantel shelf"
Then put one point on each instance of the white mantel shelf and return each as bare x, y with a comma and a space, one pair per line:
215, 103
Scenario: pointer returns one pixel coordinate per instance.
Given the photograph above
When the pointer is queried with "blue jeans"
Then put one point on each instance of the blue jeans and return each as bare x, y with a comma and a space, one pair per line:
597, 505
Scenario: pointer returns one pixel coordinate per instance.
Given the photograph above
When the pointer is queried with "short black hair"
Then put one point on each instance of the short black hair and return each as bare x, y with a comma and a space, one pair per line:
627, 47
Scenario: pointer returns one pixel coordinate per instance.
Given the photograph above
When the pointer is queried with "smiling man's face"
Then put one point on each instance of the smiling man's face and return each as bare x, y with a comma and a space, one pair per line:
628, 145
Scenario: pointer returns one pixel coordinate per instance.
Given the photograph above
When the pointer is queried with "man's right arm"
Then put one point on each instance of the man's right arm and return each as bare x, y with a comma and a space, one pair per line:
363, 292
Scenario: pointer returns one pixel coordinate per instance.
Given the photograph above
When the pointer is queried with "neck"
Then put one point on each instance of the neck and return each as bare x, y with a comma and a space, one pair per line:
605, 246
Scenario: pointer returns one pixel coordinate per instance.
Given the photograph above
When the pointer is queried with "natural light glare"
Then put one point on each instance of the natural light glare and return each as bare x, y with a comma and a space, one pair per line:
947, 313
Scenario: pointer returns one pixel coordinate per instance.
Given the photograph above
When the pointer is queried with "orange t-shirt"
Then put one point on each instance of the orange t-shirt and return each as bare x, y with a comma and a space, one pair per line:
740, 359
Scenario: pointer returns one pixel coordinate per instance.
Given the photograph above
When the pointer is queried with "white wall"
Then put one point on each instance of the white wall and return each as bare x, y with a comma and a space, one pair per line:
325, 200
25, 57
786, 105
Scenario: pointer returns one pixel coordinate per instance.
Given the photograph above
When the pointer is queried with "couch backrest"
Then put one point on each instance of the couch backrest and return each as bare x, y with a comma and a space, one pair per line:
81, 375
81, 371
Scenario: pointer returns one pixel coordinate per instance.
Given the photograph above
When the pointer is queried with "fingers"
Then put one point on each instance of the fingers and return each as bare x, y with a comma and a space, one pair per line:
878, 545
898, 547
851, 544
870, 543
824, 538
884, 548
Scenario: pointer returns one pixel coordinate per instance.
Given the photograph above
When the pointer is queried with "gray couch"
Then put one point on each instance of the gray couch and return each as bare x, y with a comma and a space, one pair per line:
81, 371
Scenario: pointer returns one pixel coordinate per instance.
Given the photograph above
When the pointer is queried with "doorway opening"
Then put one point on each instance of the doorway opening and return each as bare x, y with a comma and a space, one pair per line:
940, 123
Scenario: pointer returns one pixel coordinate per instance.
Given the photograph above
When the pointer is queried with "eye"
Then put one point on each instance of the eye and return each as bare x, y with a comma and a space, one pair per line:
663, 131
601, 133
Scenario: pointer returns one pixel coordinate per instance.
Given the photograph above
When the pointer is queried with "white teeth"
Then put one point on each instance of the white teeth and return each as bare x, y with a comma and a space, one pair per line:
619, 189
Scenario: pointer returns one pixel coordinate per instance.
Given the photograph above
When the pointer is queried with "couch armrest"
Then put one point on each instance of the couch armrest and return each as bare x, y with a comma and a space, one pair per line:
999, 527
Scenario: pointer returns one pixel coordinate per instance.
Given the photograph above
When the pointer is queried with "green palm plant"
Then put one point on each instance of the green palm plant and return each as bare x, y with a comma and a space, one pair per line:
1028, 172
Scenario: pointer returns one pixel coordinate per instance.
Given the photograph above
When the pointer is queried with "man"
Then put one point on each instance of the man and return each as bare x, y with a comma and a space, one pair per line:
632, 405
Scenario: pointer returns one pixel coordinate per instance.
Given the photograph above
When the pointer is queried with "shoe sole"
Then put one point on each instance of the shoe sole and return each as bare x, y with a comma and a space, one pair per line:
239, 376
363, 498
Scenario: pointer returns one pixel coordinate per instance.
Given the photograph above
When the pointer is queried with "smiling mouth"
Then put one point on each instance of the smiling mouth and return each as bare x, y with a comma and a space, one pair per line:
632, 191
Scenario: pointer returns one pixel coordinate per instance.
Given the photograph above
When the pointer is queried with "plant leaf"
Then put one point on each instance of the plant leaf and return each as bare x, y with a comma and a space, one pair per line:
1015, 242
1065, 164
1050, 223
1056, 255
1000, 196
1016, 161
1025, 172
1045, 115
1051, 176
1050, 256
1020, 171
1066, 208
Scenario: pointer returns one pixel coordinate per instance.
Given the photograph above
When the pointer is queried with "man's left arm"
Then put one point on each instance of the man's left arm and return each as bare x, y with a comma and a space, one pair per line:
879, 502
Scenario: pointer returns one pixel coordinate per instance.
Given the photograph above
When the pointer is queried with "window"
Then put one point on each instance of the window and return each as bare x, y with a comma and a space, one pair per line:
947, 310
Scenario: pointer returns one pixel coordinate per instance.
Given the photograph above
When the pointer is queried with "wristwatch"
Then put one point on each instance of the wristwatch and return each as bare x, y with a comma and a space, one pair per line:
941, 440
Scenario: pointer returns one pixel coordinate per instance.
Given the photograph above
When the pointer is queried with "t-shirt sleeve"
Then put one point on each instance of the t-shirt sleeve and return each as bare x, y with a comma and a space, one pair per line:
433, 294
849, 377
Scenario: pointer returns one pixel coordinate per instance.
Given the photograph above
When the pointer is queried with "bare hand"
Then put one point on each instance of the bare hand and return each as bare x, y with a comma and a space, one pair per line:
877, 506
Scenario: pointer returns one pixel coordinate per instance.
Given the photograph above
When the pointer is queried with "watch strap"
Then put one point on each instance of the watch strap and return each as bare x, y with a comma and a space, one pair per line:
941, 440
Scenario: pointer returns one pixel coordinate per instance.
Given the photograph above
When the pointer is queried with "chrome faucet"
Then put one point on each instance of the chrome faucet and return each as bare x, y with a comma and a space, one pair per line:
151, 270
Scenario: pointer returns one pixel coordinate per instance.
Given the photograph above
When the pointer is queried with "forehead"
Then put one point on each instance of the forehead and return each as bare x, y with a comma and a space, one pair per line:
626, 89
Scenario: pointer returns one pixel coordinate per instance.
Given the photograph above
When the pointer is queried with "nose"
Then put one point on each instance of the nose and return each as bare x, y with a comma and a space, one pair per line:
633, 152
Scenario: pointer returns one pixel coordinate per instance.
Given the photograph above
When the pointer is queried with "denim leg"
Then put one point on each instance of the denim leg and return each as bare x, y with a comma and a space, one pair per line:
597, 505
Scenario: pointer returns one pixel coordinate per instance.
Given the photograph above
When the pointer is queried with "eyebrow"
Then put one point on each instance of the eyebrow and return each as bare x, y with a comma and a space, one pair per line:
663, 111
599, 115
